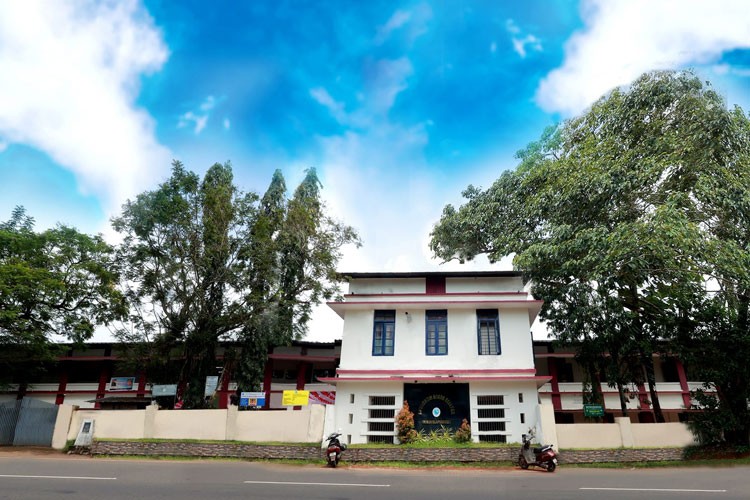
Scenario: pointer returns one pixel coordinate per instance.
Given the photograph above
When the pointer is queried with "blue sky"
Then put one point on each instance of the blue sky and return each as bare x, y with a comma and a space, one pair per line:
399, 105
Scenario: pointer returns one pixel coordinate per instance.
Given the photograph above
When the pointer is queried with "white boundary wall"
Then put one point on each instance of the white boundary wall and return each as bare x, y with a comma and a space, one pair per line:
303, 426
623, 434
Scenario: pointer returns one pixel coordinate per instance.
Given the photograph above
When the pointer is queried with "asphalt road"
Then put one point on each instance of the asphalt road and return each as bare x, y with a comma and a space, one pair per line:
27, 478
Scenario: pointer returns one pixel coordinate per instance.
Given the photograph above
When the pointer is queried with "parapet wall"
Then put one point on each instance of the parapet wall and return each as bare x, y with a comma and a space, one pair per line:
390, 454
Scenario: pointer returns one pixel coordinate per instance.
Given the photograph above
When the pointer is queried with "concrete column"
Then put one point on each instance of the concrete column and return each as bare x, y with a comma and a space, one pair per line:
626, 431
231, 425
149, 427
62, 425
547, 421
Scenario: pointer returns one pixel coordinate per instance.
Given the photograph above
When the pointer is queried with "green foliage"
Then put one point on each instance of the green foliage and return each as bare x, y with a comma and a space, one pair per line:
621, 217
405, 425
463, 434
206, 262
58, 283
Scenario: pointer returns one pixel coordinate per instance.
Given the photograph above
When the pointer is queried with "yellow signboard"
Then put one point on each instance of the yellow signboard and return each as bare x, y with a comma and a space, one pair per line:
295, 398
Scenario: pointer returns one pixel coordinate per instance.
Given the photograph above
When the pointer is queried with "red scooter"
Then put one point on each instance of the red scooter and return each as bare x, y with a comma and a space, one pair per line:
544, 456
334, 450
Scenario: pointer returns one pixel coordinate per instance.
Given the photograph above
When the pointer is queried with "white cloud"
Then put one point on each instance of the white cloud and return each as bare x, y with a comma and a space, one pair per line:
71, 73
522, 43
385, 79
726, 69
323, 98
511, 27
414, 21
397, 20
227, 124
624, 38
199, 118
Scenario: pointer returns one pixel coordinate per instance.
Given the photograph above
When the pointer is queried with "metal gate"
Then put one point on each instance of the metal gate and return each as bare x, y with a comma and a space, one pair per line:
29, 422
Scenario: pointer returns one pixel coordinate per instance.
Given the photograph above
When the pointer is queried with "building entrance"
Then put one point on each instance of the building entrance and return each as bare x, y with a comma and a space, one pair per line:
437, 406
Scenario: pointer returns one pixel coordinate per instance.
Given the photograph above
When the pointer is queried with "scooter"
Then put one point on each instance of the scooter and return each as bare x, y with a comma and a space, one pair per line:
334, 450
544, 456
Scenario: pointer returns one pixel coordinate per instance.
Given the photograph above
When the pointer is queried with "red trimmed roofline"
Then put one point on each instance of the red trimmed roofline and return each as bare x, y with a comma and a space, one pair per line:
506, 371
540, 380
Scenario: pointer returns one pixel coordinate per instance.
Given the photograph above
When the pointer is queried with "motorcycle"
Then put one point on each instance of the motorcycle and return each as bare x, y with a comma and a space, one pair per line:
334, 449
543, 456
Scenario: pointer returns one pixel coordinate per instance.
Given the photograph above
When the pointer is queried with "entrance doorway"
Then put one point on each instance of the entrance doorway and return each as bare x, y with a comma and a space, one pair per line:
438, 406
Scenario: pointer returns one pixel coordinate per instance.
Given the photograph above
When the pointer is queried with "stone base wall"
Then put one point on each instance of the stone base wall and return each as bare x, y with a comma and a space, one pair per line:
394, 454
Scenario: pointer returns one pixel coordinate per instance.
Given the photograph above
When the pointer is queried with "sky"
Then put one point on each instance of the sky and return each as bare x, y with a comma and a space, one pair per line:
399, 105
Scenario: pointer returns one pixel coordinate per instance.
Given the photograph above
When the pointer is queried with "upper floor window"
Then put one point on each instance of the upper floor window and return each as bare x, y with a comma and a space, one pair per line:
384, 333
488, 331
436, 333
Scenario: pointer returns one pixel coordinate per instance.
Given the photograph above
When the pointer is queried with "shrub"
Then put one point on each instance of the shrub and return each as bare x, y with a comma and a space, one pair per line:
405, 425
463, 434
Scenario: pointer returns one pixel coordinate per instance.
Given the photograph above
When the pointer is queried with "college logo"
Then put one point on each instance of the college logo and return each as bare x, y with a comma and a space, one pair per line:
436, 412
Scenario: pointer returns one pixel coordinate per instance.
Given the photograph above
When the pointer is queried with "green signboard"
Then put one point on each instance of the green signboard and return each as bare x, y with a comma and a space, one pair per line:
593, 411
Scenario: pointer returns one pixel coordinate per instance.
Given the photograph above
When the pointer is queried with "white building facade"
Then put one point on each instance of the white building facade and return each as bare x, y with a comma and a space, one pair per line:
454, 345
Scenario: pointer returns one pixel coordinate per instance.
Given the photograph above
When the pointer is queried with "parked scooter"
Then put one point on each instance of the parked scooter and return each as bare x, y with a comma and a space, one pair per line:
334, 450
544, 456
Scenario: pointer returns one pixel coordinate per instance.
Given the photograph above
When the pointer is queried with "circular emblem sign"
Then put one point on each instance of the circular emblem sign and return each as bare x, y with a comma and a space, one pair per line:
436, 412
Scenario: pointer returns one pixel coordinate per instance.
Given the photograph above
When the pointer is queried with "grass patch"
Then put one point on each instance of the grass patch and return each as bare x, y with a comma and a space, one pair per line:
438, 444
662, 463
430, 465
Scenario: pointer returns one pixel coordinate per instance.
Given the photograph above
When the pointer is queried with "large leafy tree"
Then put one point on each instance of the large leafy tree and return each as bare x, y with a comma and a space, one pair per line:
55, 285
208, 263
620, 217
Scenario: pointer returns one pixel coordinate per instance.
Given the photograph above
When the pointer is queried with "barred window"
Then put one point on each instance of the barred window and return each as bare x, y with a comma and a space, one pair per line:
488, 331
384, 333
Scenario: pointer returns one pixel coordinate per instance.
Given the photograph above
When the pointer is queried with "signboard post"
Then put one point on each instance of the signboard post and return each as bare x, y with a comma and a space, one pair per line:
212, 383
593, 410
295, 398
252, 399
121, 383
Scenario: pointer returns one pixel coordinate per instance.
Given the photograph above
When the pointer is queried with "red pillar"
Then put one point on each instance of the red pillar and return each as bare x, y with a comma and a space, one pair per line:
267, 378
103, 379
683, 384
62, 386
223, 392
301, 376
141, 385
552, 367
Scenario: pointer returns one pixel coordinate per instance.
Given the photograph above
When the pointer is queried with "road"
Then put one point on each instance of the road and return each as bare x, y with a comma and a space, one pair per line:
31, 478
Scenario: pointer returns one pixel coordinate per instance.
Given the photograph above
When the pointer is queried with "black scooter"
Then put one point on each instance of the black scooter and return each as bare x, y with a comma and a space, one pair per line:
334, 449
543, 456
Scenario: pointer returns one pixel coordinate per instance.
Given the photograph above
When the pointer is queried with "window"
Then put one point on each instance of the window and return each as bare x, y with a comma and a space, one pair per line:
488, 331
383, 333
437, 333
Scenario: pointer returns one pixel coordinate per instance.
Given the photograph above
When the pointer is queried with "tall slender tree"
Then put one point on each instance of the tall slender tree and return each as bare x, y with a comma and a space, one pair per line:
208, 263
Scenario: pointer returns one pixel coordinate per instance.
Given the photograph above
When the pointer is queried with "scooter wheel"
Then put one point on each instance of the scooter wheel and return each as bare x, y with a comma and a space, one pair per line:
522, 463
551, 466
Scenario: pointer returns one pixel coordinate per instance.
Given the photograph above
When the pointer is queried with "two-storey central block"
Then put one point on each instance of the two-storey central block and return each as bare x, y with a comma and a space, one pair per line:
454, 345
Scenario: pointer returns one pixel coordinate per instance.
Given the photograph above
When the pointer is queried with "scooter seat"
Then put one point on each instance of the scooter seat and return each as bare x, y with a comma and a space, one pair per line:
542, 449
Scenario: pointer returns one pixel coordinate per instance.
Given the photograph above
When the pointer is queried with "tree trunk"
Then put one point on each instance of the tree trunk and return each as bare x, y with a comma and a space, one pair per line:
623, 400
648, 364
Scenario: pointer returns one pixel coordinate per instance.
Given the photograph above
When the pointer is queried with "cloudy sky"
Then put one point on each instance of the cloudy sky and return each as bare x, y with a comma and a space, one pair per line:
399, 104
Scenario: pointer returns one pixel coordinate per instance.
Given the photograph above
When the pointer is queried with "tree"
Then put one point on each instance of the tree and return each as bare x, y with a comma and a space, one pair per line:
618, 216
208, 263
57, 284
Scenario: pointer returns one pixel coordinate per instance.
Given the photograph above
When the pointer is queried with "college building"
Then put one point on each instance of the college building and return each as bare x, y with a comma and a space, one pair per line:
454, 345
